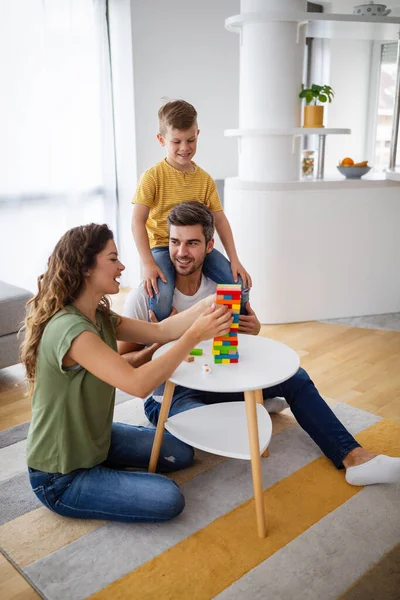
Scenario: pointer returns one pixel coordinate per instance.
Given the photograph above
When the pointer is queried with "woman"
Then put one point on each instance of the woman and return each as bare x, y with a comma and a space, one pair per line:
76, 455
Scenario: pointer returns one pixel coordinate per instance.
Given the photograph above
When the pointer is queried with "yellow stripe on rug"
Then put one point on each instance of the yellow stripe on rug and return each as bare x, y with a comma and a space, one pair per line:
207, 562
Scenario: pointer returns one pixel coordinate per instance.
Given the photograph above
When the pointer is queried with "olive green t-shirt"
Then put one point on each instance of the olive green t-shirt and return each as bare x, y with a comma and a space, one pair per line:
72, 410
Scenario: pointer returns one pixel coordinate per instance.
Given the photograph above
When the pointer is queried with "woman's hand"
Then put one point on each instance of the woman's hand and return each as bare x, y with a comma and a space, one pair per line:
207, 302
214, 322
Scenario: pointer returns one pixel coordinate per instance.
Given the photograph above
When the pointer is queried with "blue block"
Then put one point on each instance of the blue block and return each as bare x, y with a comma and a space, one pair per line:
235, 318
228, 297
226, 344
231, 356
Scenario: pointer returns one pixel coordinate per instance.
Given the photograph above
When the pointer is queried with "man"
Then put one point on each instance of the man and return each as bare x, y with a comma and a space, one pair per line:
191, 231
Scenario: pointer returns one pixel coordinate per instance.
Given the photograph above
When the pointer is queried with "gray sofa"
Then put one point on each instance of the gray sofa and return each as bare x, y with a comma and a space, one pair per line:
12, 312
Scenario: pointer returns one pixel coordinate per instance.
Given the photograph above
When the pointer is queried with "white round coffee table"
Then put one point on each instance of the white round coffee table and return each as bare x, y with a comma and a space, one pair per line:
221, 428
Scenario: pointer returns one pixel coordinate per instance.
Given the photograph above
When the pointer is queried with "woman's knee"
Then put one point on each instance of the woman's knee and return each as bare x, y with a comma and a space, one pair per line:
173, 501
178, 454
186, 456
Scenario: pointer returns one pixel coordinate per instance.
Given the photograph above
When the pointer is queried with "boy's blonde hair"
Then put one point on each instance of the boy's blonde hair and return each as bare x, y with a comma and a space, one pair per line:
177, 114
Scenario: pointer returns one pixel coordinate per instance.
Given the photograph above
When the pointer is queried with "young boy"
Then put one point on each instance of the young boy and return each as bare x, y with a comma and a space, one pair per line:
173, 180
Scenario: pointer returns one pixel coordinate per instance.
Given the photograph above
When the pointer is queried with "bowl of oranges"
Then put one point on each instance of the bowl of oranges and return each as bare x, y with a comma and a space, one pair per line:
352, 170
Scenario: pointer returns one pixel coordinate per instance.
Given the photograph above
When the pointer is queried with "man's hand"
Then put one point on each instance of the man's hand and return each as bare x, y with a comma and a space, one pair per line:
249, 323
238, 269
150, 275
154, 319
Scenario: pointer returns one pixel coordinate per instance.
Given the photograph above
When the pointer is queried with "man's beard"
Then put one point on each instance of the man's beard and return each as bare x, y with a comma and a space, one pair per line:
194, 266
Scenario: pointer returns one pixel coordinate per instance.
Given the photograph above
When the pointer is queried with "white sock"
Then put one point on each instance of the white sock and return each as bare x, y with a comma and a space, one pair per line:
381, 469
275, 405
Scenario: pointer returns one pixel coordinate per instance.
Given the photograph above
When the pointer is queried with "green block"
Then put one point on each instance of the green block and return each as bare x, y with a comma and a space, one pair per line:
196, 352
217, 361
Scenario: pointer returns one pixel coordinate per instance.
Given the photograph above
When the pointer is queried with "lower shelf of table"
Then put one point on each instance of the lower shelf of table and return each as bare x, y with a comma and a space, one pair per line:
220, 429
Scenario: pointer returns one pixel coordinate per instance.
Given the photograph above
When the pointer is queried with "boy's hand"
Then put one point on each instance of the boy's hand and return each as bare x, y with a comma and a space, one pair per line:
238, 269
150, 275
249, 323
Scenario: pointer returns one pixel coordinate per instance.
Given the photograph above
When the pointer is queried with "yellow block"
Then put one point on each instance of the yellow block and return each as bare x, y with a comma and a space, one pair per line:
217, 344
216, 352
234, 325
226, 361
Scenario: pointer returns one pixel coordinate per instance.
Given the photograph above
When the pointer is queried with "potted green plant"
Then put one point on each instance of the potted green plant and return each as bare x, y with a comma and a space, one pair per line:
315, 98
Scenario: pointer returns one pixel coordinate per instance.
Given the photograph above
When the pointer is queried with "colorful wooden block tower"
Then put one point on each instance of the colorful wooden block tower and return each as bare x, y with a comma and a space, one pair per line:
225, 348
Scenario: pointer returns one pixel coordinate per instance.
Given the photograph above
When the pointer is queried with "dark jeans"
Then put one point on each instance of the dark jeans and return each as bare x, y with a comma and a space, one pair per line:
107, 491
216, 267
309, 408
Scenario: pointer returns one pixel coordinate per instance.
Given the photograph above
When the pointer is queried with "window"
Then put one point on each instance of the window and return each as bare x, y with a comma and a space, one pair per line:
57, 144
386, 96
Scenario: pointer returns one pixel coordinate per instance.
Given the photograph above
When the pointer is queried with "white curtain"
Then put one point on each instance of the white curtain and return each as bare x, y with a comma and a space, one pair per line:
57, 164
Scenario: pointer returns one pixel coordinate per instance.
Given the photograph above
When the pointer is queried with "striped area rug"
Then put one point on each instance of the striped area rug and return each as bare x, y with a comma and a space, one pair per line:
326, 539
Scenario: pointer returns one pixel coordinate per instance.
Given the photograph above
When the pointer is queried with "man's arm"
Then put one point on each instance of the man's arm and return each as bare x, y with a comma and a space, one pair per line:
136, 354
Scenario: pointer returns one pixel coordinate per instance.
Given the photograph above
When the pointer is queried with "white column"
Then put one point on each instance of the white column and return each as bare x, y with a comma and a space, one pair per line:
271, 61
271, 67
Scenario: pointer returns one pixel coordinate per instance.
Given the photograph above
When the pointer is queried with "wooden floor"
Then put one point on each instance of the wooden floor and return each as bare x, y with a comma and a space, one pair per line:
358, 366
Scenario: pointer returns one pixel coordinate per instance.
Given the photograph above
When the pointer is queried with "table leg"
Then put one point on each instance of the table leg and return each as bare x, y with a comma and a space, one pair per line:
260, 400
251, 413
158, 438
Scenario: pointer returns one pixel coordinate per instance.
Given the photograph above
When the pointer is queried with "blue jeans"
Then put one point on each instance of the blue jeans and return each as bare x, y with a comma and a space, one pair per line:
216, 267
106, 491
309, 408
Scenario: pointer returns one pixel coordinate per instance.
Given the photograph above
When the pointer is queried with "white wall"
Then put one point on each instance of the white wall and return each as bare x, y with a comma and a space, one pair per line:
181, 49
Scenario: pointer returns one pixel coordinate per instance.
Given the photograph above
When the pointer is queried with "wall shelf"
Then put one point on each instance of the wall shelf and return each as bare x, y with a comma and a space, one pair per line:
294, 131
326, 25
393, 175
374, 181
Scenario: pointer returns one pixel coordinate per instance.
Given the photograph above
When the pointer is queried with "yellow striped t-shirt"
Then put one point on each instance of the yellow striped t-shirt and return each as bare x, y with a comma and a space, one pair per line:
162, 187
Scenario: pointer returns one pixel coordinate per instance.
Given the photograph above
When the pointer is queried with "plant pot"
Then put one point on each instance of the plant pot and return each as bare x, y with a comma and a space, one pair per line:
313, 116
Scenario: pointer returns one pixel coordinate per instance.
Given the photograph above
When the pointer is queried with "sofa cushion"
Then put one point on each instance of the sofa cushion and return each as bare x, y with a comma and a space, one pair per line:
12, 307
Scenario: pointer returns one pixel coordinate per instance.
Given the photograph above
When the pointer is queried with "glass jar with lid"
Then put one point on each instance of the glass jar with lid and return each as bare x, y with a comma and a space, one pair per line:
307, 164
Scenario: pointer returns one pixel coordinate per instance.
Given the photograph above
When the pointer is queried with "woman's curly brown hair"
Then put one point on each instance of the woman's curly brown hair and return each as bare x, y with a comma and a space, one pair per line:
60, 285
